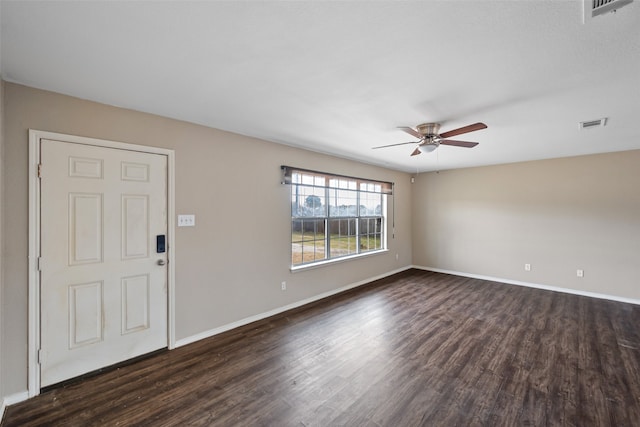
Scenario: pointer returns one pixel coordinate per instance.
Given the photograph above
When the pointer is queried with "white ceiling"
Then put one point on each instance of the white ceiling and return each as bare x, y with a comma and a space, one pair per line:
339, 77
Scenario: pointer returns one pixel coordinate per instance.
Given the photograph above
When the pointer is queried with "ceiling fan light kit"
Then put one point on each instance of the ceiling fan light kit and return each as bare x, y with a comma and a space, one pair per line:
429, 147
430, 139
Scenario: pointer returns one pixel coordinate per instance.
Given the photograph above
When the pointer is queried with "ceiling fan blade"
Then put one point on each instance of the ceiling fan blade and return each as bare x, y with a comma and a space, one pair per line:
415, 152
465, 144
393, 145
410, 131
465, 129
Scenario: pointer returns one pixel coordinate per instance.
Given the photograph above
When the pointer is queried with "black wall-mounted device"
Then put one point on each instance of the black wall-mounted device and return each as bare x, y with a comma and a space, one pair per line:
161, 246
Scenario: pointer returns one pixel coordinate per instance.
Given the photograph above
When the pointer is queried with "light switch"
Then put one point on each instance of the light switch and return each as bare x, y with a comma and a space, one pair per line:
186, 220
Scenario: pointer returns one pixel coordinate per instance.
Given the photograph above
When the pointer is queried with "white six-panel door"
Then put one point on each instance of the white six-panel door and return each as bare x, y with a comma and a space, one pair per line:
103, 296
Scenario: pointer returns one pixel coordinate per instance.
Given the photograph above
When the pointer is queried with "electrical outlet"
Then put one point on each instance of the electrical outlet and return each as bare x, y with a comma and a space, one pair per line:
283, 286
186, 220
527, 267
580, 273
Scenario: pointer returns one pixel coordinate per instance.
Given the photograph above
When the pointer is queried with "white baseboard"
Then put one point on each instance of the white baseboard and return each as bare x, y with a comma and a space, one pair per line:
532, 285
251, 319
12, 399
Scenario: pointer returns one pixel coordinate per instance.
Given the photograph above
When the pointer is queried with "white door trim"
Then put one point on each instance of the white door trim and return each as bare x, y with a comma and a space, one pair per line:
35, 136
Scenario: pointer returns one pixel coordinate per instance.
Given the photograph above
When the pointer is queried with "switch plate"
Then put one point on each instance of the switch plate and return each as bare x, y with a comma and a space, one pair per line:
527, 267
283, 286
186, 220
580, 273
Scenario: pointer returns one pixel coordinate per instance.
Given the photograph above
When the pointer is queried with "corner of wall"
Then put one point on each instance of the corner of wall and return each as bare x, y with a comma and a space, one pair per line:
2, 204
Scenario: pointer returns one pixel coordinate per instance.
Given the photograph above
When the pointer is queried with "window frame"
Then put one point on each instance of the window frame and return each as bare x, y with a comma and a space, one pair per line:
329, 215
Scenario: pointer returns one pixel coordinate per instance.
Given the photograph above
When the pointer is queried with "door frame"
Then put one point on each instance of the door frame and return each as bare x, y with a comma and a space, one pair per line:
33, 374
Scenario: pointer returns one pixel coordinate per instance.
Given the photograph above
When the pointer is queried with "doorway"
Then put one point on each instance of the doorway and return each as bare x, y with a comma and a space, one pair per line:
103, 255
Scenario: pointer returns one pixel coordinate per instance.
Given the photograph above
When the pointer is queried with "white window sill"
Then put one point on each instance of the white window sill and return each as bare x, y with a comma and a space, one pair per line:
336, 260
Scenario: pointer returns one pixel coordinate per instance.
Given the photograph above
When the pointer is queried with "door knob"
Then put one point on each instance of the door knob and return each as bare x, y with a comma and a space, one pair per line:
161, 262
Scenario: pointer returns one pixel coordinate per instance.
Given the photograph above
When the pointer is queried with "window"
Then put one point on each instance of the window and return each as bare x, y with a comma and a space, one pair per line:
334, 216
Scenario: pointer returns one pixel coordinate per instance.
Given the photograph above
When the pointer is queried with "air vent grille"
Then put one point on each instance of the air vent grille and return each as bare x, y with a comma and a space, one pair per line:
590, 124
593, 8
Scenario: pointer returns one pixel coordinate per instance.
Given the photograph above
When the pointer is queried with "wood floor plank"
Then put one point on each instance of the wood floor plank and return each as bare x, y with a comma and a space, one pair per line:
414, 349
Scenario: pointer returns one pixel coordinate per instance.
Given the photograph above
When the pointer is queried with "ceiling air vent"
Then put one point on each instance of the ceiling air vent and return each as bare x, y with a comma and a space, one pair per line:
593, 8
593, 123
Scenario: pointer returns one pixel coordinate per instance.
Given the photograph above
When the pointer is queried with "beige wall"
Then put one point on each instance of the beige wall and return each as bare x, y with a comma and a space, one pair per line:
230, 265
557, 215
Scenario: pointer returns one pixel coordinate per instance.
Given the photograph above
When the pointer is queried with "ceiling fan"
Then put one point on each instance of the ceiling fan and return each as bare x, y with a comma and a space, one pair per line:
430, 139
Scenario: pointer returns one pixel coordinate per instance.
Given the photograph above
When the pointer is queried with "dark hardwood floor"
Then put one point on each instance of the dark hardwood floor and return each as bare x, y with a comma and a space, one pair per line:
417, 348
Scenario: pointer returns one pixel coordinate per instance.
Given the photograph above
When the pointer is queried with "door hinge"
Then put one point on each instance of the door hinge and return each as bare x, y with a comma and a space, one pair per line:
39, 170
40, 356
39, 264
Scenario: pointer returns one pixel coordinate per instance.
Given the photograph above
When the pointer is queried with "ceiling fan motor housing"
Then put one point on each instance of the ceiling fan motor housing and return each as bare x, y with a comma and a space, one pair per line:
428, 129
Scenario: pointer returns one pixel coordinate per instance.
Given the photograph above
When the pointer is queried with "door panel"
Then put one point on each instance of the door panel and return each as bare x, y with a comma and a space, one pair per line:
135, 303
135, 226
85, 228
85, 314
103, 293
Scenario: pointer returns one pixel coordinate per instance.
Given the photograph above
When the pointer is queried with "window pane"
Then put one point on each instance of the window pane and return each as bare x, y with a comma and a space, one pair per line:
370, 234
370, 204
345, 183
307, 241
308, 179
343, 203
342, 237
370, 186
307, 201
